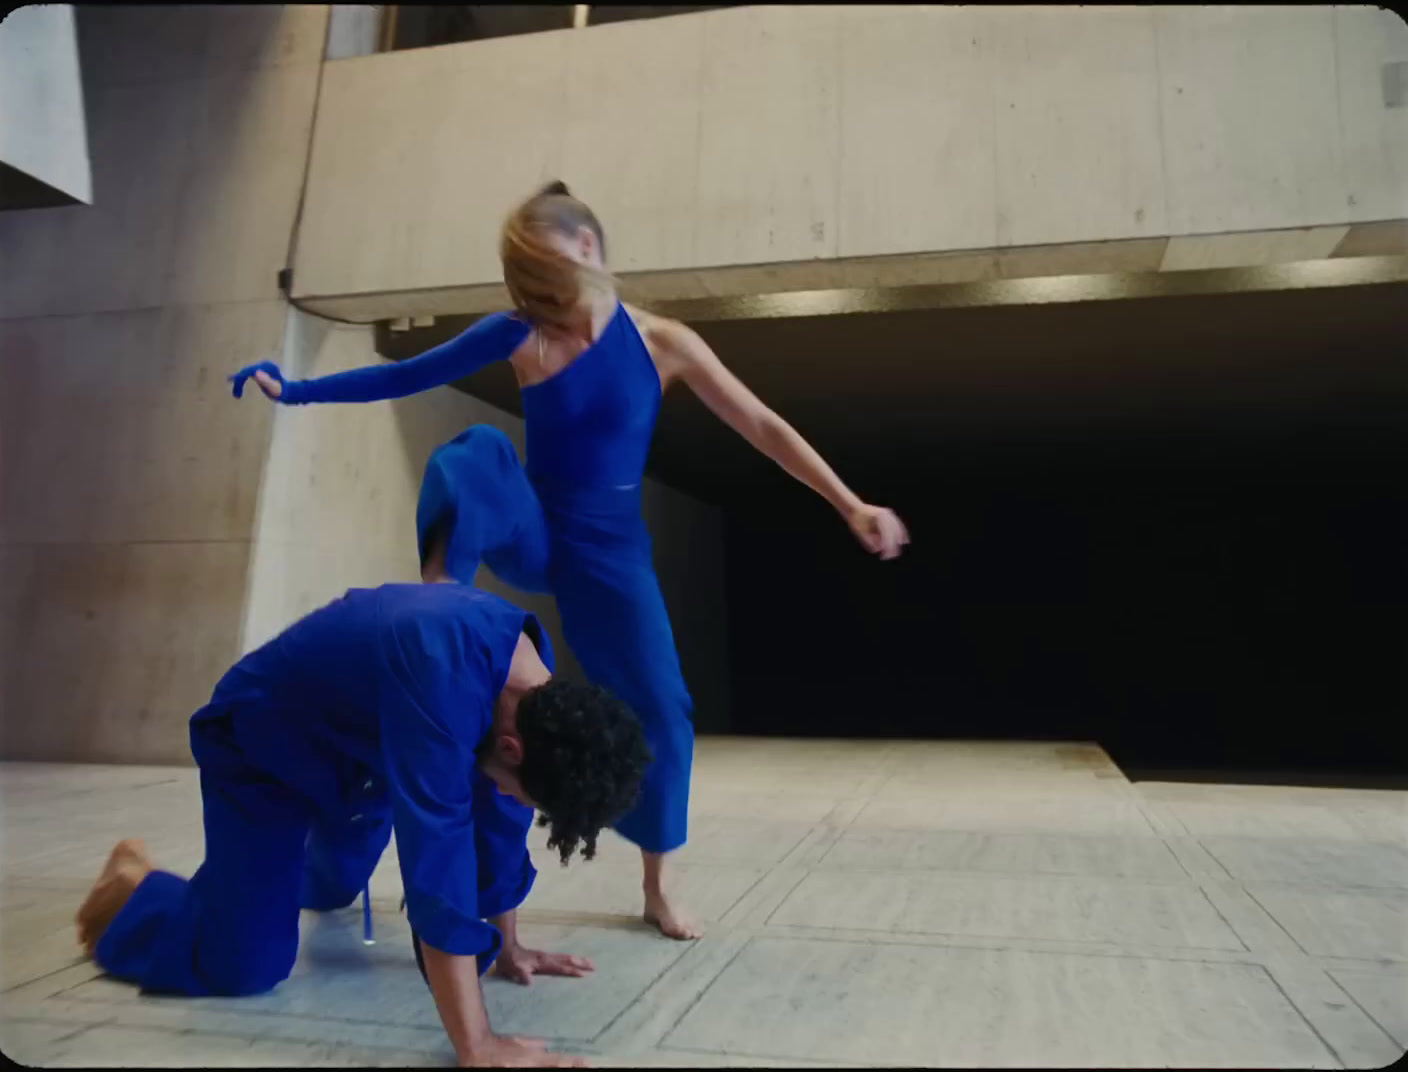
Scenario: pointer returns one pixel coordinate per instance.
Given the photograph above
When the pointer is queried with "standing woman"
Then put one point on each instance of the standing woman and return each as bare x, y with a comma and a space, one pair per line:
591, 371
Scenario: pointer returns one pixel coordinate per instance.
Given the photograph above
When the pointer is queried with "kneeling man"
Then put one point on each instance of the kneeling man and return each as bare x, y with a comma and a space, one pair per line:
427, 709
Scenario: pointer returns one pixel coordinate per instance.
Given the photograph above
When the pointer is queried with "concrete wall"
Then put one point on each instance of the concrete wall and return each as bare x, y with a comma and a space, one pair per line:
42, 131
130, 478
765, 135
151, 528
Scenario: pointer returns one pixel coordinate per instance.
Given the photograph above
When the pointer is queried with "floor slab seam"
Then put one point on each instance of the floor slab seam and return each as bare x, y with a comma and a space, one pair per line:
792, 1062
767, 895
1359, 1005
663, 1042
653, 1015
1301, 1013
996, 943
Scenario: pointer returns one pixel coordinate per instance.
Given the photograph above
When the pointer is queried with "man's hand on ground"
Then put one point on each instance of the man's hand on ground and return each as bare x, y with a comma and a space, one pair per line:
519, 965
511, 1051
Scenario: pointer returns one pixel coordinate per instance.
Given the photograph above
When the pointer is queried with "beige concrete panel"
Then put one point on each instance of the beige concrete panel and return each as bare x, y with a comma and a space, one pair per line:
936, 782
177, 617
1388, 238
662, 286
122, 643
1358, 926
631, 145
149, 445
337, 504
1382, 996
1317, 863
936, 1007
1322, 821
116, 253
612, 888
781, 776
1082, 258
289, 580
771, 278
769, 135
71, 823
1026, 907
19, 584
344, 992
1251, 131
1373, 135
71, 434
707, 802
142, 44
919, 270
1112, 857
1343, 1025
249, 36
1258, 798
1054, 812
38, 930
392, 305
917, 131
247, 148
758, 842
74, 1045
1078, 152
338, 473
1251, 249
464, 132
199, 454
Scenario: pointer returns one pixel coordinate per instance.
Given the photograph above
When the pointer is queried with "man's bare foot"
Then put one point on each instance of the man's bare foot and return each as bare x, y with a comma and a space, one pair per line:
127, 866
669, 920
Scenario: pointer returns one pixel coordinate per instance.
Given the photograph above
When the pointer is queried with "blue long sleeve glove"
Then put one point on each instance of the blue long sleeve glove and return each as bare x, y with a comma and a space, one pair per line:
494, 338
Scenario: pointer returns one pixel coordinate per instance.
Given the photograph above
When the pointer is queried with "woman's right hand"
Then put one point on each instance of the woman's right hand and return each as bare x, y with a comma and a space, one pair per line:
512, 1051
266, 374
271, 387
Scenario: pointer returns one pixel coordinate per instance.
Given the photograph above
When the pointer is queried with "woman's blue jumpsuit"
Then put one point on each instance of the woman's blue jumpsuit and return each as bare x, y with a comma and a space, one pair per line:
361, 719
568, 523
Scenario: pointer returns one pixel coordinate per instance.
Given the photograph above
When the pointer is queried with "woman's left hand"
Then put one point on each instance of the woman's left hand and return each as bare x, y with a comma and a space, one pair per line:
879, 530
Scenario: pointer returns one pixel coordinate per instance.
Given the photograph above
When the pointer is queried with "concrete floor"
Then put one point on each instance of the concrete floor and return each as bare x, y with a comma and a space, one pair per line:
870, 903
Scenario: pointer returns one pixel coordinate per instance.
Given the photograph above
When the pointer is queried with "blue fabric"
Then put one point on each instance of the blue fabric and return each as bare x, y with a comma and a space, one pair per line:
494, 338
362, 718
590, 425
233, 928
590, 549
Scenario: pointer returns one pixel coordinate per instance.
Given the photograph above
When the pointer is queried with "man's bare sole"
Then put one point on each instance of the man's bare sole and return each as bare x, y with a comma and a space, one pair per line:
127, 866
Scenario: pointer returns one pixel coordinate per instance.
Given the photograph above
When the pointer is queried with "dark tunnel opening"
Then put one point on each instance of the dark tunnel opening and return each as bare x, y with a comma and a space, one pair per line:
1193, 603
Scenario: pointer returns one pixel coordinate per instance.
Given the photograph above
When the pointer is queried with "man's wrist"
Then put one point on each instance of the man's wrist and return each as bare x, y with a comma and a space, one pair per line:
474, 1047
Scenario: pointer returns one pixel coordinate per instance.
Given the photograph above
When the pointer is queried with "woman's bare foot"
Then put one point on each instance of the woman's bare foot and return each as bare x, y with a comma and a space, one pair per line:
659, 911
127, 866
670, 921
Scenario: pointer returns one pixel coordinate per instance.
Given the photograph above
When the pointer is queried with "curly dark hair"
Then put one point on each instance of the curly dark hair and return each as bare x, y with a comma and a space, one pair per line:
584, 755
